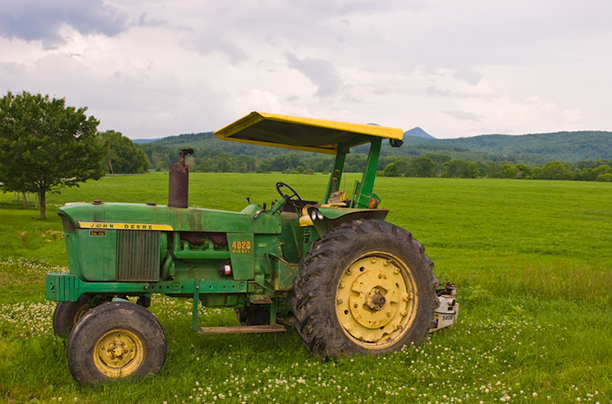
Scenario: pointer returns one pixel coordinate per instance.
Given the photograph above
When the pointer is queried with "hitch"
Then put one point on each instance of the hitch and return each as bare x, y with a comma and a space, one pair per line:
448, 309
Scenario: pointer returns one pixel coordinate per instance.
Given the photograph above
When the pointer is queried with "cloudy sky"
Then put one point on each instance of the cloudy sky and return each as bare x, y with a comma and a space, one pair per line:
455, 68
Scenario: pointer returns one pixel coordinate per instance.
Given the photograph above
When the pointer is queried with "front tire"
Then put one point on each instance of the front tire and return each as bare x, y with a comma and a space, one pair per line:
66, 314
365, 287
114, 341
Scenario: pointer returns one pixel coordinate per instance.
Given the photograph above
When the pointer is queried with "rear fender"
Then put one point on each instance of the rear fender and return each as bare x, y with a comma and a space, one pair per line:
327, 218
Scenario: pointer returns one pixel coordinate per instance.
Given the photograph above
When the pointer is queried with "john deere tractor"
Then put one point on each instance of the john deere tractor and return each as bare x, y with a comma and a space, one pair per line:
351, 282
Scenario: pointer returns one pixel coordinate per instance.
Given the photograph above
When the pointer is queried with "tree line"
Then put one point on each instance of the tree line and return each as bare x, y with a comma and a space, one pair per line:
446, 167
424, 165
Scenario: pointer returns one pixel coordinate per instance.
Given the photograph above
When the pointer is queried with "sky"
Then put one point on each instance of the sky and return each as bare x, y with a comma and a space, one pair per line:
455, 68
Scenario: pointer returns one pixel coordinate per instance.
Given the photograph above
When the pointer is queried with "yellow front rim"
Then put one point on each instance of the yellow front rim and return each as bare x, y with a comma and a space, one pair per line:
79, 314
118, 353
376, 300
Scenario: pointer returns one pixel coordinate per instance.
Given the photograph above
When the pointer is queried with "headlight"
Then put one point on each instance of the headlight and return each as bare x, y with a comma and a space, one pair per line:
313, 215
319, 215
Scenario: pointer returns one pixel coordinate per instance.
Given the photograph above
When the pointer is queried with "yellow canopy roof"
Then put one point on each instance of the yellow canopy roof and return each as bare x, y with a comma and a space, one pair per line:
292, 132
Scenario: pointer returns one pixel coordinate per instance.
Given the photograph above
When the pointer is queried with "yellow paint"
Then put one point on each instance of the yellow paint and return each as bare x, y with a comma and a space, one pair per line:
238, 131
241, 247
124, 226
306, 221
369, 325
118, 353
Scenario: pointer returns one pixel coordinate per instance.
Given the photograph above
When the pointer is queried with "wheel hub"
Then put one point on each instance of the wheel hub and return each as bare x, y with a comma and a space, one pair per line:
118, 353
374, 300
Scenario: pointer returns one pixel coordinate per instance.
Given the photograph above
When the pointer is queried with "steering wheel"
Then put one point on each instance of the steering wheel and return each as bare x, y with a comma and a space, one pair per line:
292, 199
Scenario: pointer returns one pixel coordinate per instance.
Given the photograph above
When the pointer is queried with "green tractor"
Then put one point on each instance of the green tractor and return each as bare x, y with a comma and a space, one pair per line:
353, 283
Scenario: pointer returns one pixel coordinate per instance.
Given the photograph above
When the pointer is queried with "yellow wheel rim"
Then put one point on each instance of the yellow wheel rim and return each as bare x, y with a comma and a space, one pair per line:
376, 300
118, 353
79, 314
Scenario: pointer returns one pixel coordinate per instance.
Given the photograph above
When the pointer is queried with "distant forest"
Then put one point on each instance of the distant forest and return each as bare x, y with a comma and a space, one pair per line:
561, 146
565, 155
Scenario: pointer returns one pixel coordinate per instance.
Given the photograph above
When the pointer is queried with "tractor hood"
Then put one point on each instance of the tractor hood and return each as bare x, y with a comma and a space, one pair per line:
122, 216
290, 132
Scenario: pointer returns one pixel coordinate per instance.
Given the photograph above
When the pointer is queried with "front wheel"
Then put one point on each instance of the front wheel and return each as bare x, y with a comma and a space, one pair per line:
365, 287
66, 314
114, 341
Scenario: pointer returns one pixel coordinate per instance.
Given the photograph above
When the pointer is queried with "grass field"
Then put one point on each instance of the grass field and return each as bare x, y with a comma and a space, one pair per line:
532, 260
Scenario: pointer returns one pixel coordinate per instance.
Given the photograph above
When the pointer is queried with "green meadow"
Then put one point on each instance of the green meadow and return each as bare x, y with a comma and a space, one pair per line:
532, 261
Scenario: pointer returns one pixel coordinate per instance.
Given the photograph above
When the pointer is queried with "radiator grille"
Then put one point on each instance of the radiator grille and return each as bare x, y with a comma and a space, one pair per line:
137, 255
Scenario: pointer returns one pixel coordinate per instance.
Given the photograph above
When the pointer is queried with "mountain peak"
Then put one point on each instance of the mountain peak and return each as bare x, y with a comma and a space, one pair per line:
418, 132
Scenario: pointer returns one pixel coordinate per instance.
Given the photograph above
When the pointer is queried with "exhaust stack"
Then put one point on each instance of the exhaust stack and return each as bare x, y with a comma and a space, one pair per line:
178, 186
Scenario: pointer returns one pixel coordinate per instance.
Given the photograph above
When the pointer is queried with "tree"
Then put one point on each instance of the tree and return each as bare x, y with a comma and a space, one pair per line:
474, 170
538, 173
123, 157
607, 177
391, 170
45, 145
161, 166
524, 171
602, 169
509, 171
422, 166
456, 169
493, 170
557, 170
191, 162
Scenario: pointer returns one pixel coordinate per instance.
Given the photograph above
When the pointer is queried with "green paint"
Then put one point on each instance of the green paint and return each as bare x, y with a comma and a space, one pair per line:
364, 191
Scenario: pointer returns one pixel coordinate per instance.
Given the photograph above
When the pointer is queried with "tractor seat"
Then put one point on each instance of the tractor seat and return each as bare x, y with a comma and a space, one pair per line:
336, 200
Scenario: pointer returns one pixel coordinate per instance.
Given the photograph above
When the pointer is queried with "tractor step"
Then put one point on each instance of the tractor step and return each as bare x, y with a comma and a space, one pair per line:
246, 329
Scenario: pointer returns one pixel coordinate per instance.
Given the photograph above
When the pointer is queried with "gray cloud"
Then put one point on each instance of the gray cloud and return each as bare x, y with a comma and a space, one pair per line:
471, 77
35, 20
462, 115
342, 7
320, 72
12, 69
438, 92
145, 21
208, 40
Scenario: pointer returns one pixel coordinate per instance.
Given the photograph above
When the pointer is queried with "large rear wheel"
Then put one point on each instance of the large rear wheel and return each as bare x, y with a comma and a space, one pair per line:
114, 341
365, 287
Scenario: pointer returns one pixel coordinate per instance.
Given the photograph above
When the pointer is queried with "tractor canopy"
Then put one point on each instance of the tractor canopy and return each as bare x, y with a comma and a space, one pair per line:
307, 134
321, 136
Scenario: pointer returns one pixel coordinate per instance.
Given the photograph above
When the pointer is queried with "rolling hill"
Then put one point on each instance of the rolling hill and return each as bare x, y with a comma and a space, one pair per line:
529, 149
563, 146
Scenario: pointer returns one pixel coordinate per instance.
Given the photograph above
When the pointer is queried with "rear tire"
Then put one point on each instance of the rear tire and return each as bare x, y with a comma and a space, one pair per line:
365, 287
114, 341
